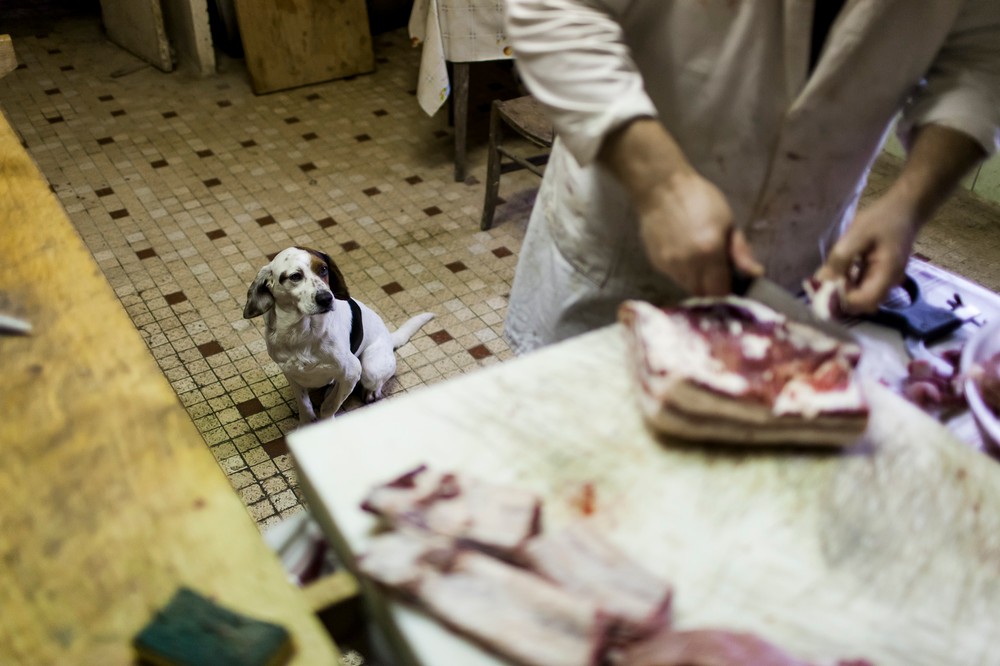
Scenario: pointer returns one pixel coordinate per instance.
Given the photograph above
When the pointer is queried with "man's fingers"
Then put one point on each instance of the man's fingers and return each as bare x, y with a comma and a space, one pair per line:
842, 258
867, 294
742, 255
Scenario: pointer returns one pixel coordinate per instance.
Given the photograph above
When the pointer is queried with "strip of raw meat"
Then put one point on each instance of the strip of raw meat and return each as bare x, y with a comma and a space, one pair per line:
507, 609
402, 559
709, 647
825, 296
499, 518
516, 613
582, 561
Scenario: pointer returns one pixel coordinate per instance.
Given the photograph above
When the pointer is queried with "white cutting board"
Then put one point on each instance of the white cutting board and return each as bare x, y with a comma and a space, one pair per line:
890, 551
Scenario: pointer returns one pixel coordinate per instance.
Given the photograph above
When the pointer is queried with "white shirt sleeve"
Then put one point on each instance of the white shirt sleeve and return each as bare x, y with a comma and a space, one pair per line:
572, 58
962, 88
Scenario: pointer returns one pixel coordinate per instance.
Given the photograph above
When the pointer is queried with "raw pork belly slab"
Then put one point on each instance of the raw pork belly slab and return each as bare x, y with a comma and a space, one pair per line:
505, 608
732, 370
582, 561
496, 517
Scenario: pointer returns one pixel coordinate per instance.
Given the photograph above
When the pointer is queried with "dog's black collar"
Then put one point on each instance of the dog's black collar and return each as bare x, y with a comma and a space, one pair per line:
357, 327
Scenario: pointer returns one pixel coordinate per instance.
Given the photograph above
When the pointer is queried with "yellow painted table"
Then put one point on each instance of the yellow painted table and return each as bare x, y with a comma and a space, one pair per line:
109, 498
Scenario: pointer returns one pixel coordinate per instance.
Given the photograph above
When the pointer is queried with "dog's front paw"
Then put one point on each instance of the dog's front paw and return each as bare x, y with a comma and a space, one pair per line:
307, 416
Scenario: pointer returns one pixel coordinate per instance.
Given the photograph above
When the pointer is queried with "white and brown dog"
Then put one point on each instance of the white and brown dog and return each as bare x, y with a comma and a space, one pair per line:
318, 335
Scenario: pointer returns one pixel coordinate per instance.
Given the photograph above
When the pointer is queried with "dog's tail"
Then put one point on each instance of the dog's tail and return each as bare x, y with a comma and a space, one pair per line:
402, 334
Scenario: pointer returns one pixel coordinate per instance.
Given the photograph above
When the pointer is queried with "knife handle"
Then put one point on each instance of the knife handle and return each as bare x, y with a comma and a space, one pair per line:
919, 319
739, 281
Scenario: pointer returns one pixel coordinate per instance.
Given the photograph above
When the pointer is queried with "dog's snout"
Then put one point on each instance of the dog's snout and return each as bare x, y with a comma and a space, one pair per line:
324, 299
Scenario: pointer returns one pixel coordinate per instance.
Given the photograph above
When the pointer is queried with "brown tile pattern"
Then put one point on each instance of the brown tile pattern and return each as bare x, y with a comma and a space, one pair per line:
182, 195
441, 337
210, 348
480, 352
277, 447
250, 407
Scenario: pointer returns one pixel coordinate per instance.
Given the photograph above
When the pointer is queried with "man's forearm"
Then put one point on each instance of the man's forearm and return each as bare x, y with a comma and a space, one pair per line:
939, 158
644, 158
685, 222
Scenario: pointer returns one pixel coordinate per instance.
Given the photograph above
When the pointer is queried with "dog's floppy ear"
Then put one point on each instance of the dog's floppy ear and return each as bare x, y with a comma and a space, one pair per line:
259, 296
338, 285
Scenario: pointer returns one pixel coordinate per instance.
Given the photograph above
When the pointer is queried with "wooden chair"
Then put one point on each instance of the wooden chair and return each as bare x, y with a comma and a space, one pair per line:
526, 117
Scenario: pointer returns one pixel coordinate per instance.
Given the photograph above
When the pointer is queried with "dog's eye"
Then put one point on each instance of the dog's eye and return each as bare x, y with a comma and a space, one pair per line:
322, 271
295, 277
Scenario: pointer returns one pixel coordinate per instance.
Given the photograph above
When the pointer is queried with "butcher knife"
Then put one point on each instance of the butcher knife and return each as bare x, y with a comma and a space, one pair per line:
781, 300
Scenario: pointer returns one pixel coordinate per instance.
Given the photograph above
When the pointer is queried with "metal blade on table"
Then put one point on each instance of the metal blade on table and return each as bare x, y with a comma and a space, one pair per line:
783, 301
10, 325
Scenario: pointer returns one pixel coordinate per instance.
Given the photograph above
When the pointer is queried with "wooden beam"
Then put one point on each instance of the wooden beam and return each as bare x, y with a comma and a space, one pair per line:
8, 59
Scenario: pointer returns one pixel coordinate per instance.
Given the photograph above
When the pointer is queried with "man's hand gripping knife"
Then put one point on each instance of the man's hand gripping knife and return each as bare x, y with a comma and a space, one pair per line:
685, 221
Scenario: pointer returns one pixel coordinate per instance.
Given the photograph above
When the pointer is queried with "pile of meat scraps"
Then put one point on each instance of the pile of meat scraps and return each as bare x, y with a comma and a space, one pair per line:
473, 554
932, 381
987, 378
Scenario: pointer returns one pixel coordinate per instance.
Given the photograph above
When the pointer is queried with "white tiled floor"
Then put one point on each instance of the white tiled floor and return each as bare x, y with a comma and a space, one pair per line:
182, 188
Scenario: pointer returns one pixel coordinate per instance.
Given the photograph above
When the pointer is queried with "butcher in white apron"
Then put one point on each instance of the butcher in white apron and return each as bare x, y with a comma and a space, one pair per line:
733, 118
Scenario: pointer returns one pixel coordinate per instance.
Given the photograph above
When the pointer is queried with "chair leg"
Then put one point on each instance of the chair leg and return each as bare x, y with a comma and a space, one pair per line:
492, 170
460, 91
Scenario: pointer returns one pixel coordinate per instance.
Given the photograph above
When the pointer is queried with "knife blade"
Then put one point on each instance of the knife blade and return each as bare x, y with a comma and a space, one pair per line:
779, 299
13, 325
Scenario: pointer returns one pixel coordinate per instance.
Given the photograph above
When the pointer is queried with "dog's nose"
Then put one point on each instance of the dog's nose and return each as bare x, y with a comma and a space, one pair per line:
324, 299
